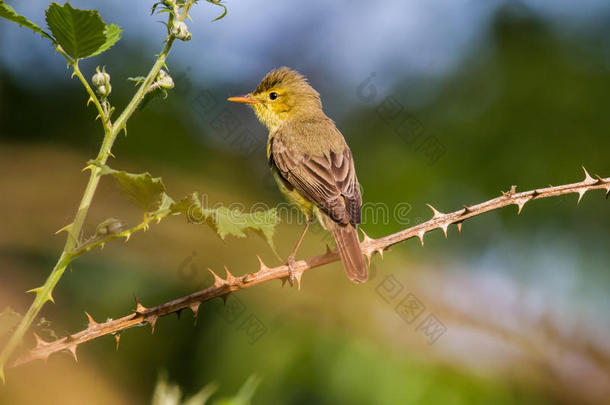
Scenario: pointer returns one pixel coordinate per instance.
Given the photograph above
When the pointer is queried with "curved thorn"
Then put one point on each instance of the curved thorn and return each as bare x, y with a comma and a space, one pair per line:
195, 308
298, 274
520, 203
92, 322
262, 265
435, 213
588, 178
230, 277
581, 193
420, 235
72, 349
366, 238
64, 229
39, 342
140, 309
218, 282
117, 338
152, 321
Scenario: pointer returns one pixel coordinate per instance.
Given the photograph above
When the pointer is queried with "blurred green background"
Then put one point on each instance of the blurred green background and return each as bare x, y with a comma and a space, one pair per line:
449, 109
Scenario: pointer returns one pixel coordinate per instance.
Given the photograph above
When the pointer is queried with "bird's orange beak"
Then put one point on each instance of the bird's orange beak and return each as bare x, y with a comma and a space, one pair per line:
246, 98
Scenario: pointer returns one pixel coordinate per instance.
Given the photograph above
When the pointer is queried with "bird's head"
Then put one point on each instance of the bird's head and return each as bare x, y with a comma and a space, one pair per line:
283, 94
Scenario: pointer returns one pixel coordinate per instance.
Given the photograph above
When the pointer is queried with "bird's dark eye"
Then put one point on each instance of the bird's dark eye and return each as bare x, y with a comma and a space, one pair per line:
273, 95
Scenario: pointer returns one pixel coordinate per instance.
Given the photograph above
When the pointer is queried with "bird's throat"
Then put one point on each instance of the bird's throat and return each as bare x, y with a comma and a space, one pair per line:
269, 118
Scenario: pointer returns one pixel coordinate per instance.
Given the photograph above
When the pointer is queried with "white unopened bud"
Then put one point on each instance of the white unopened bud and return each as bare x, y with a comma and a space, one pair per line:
104, 89
181, 31
164, 80
101, 81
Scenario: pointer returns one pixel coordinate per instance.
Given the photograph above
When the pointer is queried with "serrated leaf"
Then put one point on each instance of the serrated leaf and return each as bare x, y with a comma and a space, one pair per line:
227, 221
166, 202
79, 32
8, 320
145, 191
112, 33
10, 14
190, 206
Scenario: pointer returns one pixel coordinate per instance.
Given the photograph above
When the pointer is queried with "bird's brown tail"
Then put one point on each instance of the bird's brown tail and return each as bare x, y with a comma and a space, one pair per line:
348, 245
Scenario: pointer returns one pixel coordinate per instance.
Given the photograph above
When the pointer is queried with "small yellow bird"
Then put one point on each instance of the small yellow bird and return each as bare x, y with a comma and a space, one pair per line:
311, 162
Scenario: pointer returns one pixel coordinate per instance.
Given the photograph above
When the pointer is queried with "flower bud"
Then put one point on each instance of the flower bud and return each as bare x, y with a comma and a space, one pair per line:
104, 90
111, 226
180, 31
164, 80
100, 78
101, 81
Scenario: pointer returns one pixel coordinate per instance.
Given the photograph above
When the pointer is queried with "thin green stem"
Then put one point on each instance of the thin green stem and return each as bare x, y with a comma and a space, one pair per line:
92, 97
44, 293
101, 241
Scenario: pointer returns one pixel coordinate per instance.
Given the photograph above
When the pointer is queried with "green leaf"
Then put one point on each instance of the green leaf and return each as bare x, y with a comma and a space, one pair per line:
142, 189
138, 79
8, 321
112, 33
149, 194
227, 221
9, 13
81, 33
192, 208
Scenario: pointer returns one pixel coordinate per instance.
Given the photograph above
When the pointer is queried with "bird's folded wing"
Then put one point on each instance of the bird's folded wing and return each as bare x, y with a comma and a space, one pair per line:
329, 181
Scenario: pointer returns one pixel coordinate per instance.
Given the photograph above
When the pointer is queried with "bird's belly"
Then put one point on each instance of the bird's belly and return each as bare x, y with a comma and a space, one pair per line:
294, 197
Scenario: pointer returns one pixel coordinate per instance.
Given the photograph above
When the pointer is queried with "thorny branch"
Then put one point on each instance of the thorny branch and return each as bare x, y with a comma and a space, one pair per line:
223, 287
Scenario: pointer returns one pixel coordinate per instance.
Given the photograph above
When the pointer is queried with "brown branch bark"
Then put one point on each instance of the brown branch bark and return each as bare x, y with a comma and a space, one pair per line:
223, 287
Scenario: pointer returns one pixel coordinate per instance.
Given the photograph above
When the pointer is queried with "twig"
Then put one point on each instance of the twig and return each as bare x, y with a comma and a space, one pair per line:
111, 131
223, 287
